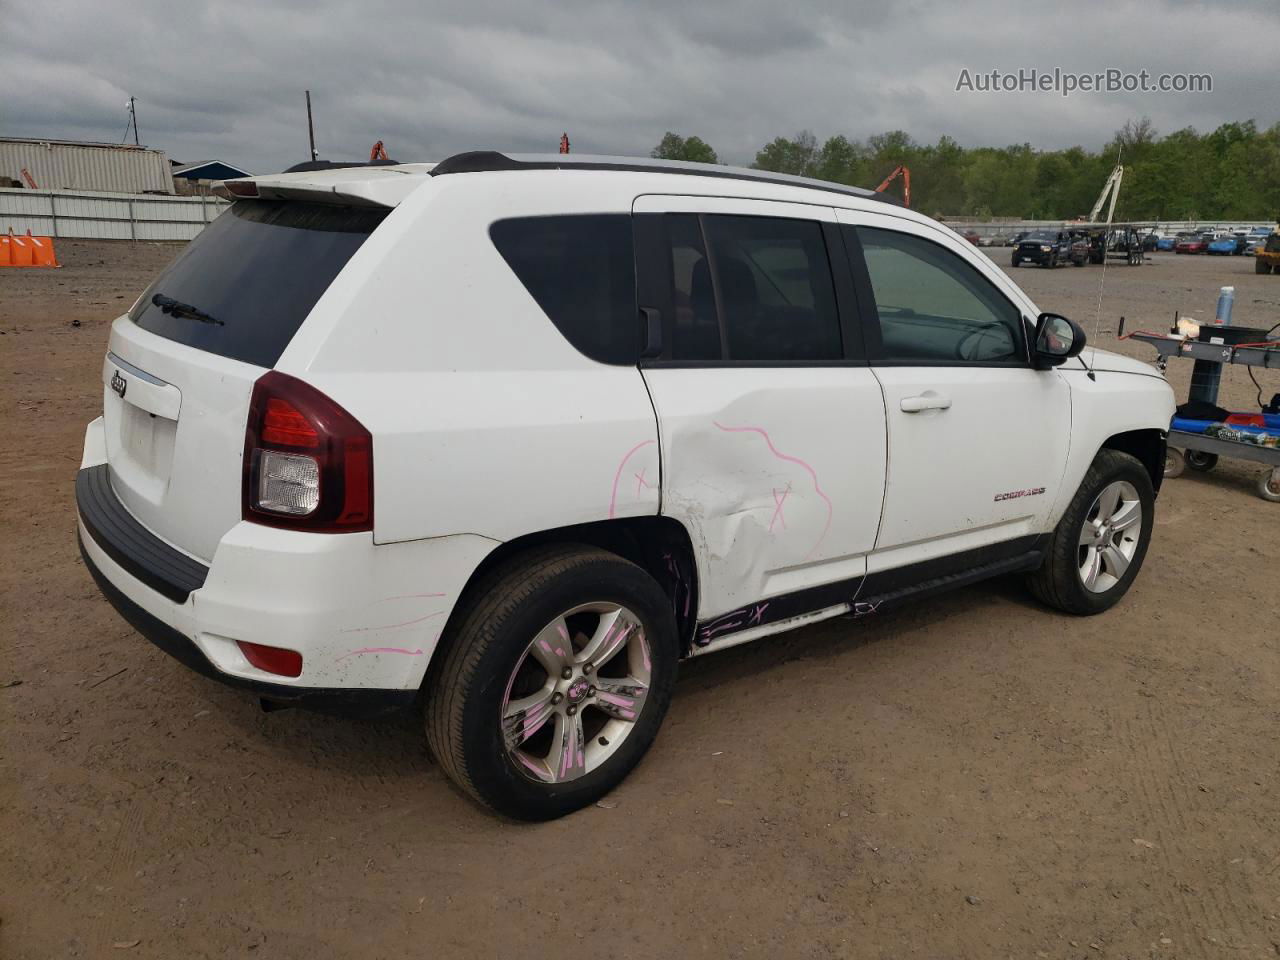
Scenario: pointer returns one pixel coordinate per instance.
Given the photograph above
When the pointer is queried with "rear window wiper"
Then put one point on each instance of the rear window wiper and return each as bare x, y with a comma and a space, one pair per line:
179, 309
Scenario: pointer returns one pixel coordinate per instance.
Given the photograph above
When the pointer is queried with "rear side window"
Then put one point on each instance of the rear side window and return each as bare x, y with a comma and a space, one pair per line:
774, 288
749, 290
243, 287
581, 271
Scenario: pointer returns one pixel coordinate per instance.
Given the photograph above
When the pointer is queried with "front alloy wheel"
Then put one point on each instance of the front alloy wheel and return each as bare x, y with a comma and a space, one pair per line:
1099, 544
1109, 536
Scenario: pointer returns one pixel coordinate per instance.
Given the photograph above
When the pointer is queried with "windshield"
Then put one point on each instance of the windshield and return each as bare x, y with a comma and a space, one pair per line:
243, 287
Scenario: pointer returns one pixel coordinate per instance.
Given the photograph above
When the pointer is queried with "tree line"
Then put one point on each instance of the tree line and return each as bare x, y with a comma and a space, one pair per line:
1232, 173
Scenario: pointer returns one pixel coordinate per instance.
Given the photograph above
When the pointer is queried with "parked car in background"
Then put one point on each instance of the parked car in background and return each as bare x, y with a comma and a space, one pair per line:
1150, 241
1253, 243
673, 421
1195, 243
1222, 247
1166, 243
1081, 247
972, 237
1046, 248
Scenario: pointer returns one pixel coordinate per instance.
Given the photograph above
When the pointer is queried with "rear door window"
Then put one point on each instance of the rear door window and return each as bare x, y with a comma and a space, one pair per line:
581, 271
243, 287
747, 289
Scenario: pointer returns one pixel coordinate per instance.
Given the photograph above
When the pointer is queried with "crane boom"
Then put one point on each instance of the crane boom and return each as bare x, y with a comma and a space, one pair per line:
901, 170
1112, 186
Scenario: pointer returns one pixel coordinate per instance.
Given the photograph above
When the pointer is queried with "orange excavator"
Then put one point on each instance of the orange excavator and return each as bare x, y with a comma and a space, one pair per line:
901, 170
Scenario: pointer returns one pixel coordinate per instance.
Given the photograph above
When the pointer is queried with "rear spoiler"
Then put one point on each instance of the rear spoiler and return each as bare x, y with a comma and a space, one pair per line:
348, 185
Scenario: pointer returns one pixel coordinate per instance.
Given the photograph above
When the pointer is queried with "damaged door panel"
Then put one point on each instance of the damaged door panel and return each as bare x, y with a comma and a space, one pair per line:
772, 436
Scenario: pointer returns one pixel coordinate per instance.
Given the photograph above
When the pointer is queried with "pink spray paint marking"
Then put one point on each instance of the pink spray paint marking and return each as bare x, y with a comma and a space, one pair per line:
613, 497
641, 482
409, 596
813, 474
364, 650
757, 613
777, 508
394, 626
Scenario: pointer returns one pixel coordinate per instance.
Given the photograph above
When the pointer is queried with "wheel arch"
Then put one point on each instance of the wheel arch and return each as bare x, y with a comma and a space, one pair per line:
1147, 446
659, 545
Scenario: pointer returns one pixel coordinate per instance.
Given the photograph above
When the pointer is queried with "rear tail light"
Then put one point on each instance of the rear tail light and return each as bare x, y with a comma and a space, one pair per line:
277, 660
308, 464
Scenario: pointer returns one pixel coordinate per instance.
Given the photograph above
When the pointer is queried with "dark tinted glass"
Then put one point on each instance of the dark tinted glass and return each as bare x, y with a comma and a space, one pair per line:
696, 328
581, 271
256, 271
934, 307
774, 288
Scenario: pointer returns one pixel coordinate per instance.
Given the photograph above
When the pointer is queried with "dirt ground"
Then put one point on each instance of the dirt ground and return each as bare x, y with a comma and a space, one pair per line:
975, 778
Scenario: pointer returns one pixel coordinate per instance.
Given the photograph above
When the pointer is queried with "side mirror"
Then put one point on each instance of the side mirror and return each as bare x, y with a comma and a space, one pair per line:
1057, 339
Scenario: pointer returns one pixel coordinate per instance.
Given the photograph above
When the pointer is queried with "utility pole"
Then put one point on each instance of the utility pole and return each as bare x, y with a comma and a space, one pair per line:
311, 132
133, 117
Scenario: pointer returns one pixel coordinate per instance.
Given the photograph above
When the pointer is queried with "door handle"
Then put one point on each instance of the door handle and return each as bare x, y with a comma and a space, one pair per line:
928, 401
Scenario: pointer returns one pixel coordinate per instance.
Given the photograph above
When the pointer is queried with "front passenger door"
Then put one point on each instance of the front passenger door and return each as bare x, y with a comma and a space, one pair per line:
978, 439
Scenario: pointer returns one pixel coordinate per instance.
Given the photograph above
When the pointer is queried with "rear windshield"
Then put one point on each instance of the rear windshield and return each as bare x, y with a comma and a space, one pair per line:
242, 287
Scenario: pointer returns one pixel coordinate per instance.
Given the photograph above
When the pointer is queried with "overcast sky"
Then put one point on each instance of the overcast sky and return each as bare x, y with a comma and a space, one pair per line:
430, 79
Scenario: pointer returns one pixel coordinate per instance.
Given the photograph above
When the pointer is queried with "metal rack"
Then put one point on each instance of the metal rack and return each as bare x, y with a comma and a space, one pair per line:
1211, 448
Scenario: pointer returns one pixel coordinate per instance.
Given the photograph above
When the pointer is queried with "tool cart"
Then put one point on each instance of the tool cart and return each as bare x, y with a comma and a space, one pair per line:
1198, 443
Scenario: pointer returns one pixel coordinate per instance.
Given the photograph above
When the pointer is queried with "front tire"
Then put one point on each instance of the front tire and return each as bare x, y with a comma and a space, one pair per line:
555, 683
1098, 547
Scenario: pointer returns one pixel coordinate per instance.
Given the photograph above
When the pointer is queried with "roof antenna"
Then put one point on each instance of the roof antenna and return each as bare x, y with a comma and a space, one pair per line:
1112, 184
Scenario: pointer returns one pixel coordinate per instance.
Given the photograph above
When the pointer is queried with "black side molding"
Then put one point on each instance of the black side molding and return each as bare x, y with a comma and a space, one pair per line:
126, 541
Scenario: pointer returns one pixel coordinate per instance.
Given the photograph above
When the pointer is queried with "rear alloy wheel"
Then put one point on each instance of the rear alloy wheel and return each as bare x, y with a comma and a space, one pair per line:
555, 682
573, 699
1098, 547
1175, 463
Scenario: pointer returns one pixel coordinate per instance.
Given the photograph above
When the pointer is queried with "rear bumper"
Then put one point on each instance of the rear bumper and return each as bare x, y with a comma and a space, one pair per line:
363, 702
365, 617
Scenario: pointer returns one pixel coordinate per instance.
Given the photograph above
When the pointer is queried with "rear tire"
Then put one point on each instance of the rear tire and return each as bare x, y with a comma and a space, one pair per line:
469, 719
1258, 267
1086, 544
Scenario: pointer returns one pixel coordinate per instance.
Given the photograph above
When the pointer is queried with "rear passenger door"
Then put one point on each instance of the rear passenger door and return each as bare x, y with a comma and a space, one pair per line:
771, 426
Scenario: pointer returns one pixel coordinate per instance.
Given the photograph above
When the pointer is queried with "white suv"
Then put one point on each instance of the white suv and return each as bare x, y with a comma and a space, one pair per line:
505, 438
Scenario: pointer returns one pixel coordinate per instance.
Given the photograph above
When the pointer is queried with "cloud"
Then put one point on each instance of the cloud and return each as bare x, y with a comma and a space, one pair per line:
227, 80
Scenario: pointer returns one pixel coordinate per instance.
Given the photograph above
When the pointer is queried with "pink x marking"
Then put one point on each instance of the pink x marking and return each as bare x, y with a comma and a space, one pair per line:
777, 508
640, 481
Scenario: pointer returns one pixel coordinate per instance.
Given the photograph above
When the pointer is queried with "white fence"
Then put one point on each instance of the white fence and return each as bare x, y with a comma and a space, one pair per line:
105, 216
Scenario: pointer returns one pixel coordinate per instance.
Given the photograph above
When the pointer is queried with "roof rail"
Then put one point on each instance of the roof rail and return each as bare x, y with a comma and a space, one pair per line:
480, 161
310, 166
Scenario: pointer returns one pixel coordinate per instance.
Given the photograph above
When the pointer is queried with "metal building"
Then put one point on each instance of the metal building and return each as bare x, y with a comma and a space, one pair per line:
75, 165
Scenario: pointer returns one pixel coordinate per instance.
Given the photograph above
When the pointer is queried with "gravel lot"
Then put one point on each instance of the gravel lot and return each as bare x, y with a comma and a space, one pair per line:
975, 778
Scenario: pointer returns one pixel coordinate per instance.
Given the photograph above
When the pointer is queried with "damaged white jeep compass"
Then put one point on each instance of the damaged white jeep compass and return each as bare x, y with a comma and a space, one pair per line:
505, 438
